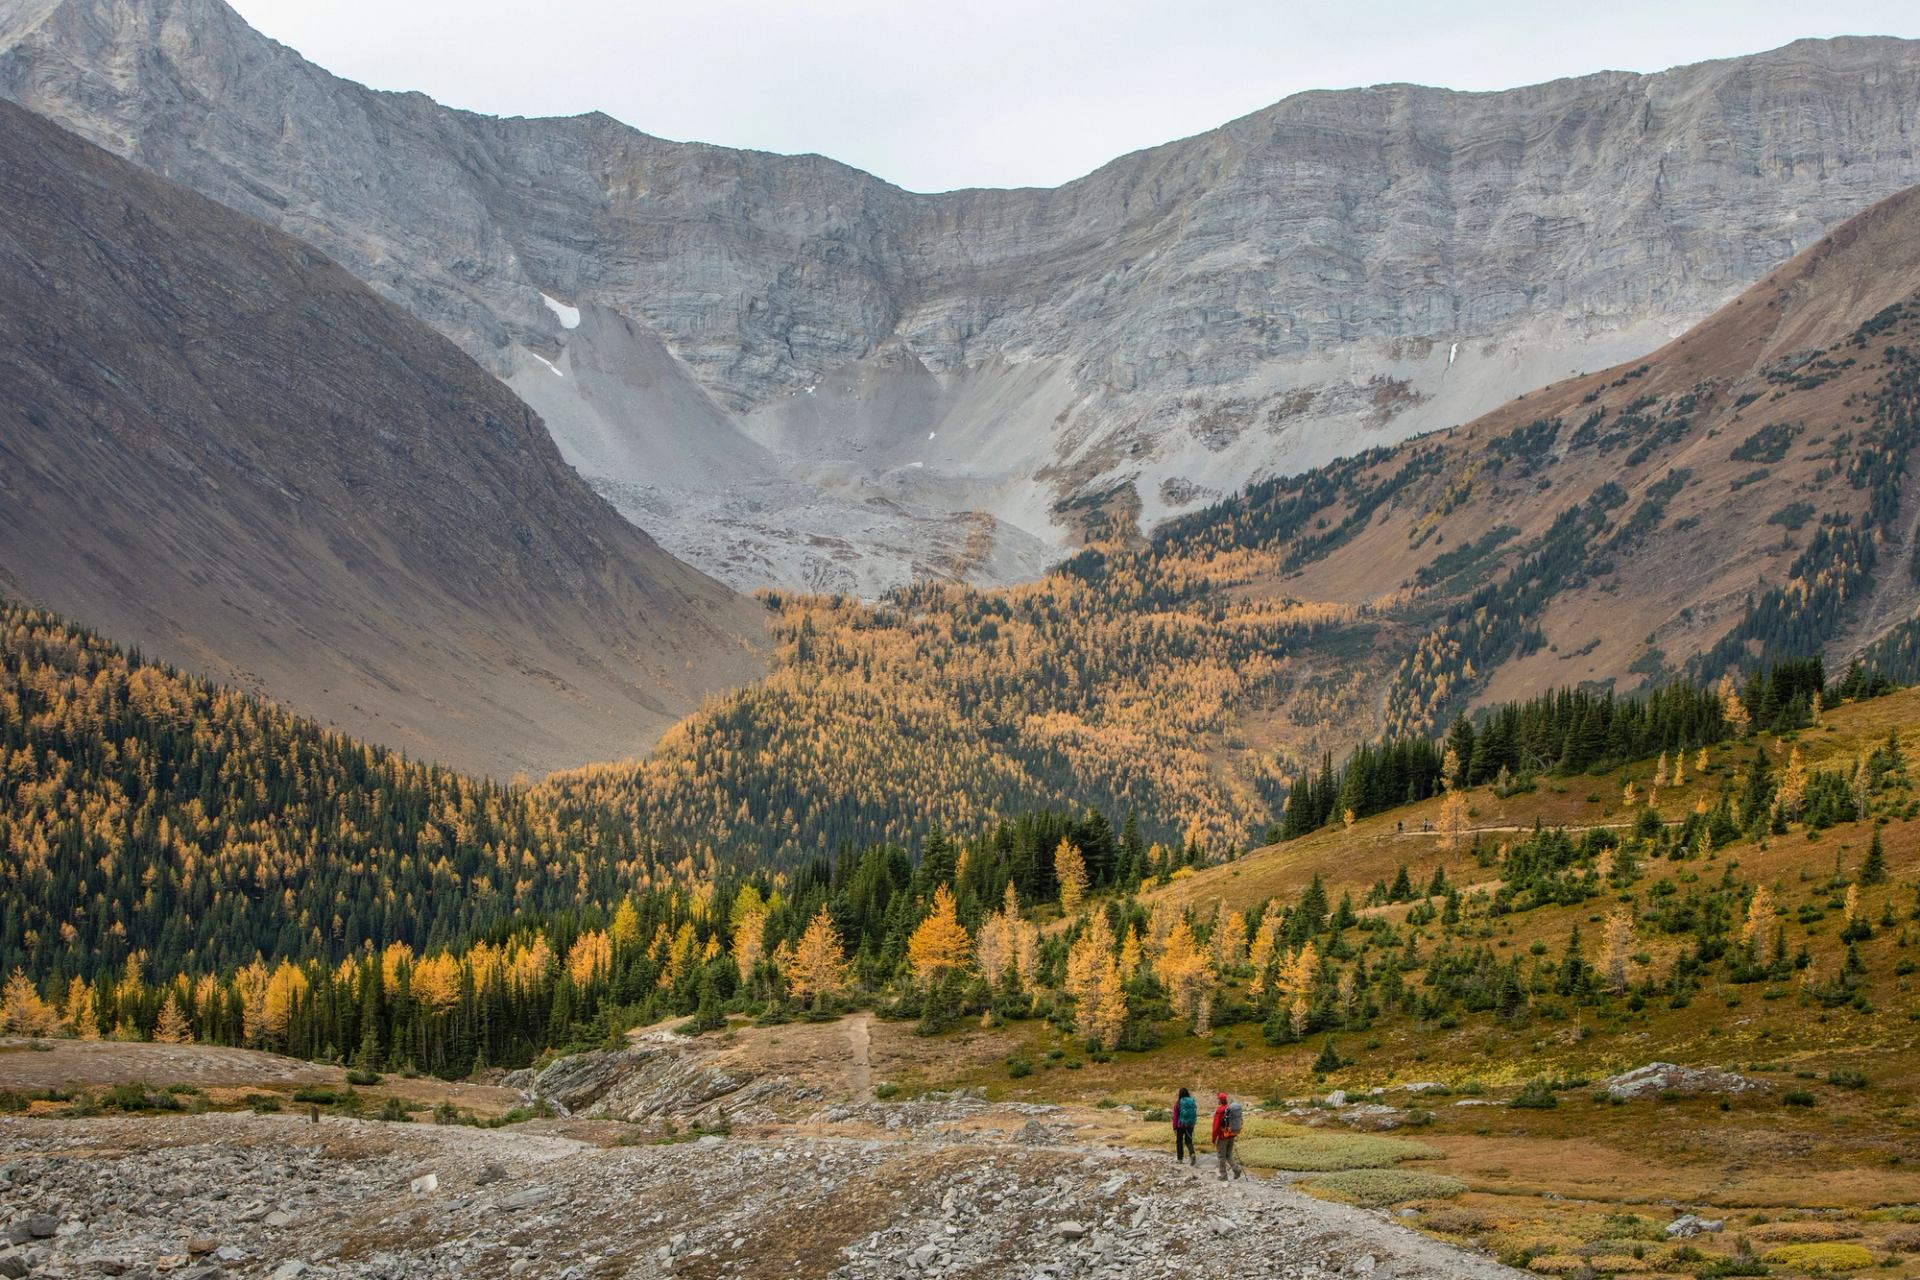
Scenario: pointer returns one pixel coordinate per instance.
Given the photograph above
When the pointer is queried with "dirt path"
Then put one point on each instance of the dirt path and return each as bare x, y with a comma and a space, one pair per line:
860, 1045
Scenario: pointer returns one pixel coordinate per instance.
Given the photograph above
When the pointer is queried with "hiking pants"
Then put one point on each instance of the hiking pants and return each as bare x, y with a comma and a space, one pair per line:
1223, 1148
1183, 1143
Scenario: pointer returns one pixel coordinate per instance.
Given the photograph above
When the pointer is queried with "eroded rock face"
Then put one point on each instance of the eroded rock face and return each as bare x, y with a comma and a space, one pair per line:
795, 373
661, 1078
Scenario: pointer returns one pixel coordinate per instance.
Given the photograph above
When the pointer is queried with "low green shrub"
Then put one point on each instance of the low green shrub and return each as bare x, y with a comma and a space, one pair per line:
1820, 1257
1375, 1187
1536, 1095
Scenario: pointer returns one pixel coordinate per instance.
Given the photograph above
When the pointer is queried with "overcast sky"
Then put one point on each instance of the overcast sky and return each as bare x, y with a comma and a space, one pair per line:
997, 92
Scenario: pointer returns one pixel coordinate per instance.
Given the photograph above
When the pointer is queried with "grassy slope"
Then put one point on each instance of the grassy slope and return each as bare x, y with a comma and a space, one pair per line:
1551, 1177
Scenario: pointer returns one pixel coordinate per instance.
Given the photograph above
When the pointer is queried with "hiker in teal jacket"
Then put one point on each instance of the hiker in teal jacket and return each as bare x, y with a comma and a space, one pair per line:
1186, 1114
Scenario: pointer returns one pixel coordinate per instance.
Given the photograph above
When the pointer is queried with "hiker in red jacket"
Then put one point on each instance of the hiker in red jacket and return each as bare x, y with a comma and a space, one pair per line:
1226, 1127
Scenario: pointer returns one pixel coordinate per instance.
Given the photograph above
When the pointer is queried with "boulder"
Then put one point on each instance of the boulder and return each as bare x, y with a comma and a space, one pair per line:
1656, 1078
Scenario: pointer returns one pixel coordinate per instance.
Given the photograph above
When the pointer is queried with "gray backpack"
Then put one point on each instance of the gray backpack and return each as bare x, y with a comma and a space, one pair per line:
1232, 1119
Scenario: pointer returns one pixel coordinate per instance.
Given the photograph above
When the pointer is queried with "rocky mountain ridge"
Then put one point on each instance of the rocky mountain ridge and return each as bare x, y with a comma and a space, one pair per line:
798, 375
221, 447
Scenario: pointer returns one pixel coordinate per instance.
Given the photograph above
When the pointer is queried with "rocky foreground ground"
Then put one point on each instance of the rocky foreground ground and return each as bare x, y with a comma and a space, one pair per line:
237, 1194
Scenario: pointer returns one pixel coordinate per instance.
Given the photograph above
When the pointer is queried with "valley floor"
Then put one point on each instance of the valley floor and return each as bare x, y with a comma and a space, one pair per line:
282, 1195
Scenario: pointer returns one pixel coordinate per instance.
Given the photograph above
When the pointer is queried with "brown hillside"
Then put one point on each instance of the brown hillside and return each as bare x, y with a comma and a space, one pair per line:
1781, 355
219, 446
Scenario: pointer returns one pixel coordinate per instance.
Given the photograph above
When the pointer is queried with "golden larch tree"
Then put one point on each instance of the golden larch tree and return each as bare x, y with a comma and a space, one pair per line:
1104, 1019
1229, 940
1184, 971
1732, 710
624, 932
1615, 947
749, 917
22, 1011
172, 1027
1453, 820
81, 1017
1762, 917
941, 944
1070, 868
818, 967
1793, 786
1266, 944
1093, 948
590, 958
1131, 953
436, 982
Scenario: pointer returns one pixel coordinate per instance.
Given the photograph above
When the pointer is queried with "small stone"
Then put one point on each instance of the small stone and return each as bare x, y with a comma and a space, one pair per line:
1689, 1225
1069, 1230
230, 1253
278, 1218
200, 1245
527, 1198
1338, 1098
12, 1264
488, 1175
288, 1270
425, 1183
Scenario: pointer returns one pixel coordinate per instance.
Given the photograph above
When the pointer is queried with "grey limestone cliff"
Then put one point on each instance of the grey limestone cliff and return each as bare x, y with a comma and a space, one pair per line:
794, 373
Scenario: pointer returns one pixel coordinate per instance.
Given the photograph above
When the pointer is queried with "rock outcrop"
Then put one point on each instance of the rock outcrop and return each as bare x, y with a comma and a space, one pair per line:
660, 1078
1661, 1078
797, 374
221, 447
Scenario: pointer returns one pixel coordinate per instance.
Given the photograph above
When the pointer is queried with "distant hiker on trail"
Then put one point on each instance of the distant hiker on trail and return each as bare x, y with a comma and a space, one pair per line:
1186, 1114
1226, 1127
